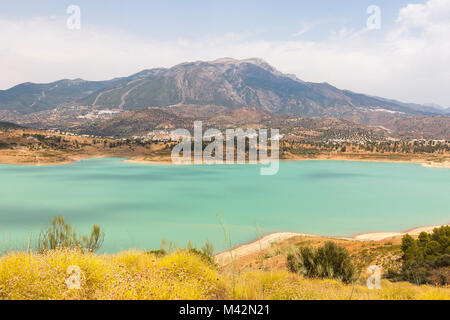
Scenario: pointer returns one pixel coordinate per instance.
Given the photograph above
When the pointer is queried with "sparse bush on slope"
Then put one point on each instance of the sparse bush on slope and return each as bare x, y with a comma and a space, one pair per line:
206, 252
329, 261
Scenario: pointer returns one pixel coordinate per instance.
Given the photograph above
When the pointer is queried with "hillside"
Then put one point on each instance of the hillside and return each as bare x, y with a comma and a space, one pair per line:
331, 139
222, 85
250, 83
9, 125
142, 121
28, 97
184, 274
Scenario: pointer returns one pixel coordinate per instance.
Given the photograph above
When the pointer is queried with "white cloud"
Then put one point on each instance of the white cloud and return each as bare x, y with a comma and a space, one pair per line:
409, 62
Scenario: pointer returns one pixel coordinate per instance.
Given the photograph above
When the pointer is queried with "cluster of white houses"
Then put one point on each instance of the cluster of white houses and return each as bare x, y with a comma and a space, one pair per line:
175, 136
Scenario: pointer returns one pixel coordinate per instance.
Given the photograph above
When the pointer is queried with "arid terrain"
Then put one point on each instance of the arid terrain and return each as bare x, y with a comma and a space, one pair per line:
20, 145
39, 147
269, 252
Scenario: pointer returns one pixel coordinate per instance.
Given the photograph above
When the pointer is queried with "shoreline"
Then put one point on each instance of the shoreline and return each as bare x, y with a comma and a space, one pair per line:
443, 163
68, 161
425, 164
276, 237
377, 236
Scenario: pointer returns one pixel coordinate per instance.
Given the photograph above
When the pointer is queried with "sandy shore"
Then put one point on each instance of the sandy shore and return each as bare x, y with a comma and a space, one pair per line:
257, 245
376, 236
358, 158
444, 164
148, 161
276, 237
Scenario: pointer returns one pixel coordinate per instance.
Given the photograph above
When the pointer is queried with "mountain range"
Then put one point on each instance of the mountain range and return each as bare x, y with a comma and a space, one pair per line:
207, 89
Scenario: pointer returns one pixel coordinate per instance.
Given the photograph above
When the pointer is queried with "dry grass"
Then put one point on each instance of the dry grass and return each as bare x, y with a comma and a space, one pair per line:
180, 275
128, 275
287, 286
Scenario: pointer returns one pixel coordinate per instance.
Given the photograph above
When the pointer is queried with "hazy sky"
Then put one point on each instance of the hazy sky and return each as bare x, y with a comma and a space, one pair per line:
408, 58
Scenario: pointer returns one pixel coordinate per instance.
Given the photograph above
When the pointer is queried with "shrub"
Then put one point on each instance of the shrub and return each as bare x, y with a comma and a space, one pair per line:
329, 261
206, 258
208, 249
206, 253
159, 252
61, 235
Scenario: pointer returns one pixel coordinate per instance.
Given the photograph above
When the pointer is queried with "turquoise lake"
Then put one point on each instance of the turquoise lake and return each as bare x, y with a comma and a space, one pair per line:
137, 205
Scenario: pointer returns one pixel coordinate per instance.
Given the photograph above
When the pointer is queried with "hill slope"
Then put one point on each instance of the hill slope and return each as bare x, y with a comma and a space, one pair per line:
226, 84
249, 83
183, 275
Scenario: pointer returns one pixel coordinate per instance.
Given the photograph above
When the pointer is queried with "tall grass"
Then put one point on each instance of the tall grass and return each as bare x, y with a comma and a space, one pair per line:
229, 246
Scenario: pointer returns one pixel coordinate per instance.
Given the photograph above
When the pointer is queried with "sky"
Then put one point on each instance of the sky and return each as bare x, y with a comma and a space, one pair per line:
406, 58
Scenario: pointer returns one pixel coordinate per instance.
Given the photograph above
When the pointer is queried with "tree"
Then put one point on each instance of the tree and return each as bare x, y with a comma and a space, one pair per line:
423, 239
425, 256
407, 241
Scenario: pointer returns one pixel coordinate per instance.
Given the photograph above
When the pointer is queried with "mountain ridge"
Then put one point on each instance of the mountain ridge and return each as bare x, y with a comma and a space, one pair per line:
244, 76
225, 82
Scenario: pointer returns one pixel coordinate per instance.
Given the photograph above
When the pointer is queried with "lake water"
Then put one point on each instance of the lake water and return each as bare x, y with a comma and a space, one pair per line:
137, 205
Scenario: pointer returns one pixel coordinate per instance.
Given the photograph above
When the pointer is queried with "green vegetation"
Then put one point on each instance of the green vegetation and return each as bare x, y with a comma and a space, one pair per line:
61, 235
427, 259
386, 256
4, 145
326, 144
329, 261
